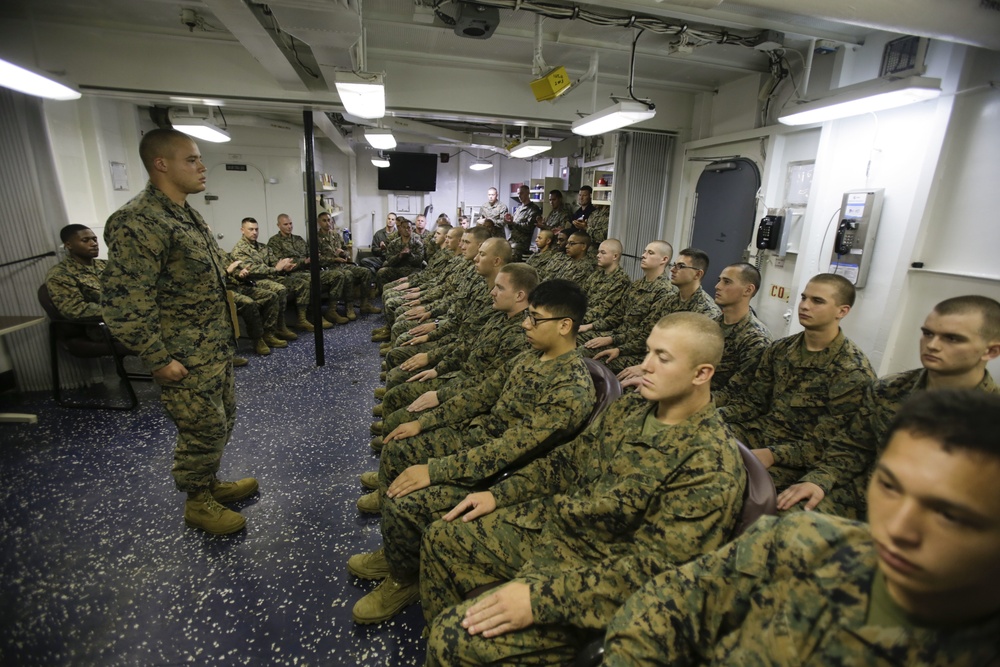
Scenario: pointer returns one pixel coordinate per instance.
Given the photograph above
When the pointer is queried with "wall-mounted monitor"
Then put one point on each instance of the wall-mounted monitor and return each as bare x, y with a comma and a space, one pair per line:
415, 172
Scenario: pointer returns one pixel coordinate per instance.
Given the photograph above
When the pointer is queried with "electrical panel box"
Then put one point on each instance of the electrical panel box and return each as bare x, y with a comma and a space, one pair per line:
854, 241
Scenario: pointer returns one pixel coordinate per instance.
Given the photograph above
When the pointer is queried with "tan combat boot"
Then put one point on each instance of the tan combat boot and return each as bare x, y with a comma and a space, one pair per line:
260, 347
273, 340
240, 361
284, 333
231, 492
204, 512
388, 599
333, 316
349, 311
368, 308
303, 323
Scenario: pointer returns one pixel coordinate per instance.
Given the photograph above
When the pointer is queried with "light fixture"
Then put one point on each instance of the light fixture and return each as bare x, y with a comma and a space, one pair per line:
621, 114
381, 161
481, 165
363, 95
865, 97
380, 138
530, 147
24, 80
200, 128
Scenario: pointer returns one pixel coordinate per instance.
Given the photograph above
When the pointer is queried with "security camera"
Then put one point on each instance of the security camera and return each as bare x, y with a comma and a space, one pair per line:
189, 18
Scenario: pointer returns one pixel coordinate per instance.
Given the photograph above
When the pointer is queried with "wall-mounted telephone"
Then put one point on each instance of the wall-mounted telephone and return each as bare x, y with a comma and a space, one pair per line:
845, 237
855, 241
769, 232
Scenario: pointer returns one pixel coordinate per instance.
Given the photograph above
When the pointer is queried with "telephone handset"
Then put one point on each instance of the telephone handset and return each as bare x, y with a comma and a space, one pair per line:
844, 242
769, 232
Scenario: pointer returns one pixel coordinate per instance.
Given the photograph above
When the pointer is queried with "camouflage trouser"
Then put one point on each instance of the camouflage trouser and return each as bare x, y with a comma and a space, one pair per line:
456, 558
353, 278
402, 394
399, 455
641, 626
404, 520
398, 355
259, 309
203, 407
297, 286
279, 290
389, 273
332, 284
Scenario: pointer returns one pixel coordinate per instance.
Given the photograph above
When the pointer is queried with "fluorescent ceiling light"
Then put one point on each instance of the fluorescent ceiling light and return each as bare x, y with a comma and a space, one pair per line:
25, 81
481, 165
380, 162
362, 95
865, 97
379, 138
200, 128
530, 147
621, 114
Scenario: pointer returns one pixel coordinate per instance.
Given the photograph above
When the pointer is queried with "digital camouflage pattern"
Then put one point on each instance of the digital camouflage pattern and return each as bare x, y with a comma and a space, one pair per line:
577, 270
597, 228
544, 262
528, 405
260, 260
584, 527
398, 263
558, 218
354, 277
258, 307
75, 288
496, 213
746, 341
794, 401
461, 365
164, 297
295, 246
522, 228
640, 312
700, 302
791, 591
605, 293
850, 454
460, 285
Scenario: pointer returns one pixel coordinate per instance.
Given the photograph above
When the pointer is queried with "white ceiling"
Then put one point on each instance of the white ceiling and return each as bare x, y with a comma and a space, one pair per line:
401, 32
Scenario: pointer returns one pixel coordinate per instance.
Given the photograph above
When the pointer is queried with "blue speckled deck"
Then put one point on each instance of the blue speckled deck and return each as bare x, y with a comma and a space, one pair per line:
98, 567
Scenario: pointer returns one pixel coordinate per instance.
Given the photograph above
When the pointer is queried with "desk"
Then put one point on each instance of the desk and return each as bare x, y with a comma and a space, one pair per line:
10, 324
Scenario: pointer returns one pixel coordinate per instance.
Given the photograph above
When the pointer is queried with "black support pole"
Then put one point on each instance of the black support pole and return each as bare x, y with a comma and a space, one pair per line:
314, 267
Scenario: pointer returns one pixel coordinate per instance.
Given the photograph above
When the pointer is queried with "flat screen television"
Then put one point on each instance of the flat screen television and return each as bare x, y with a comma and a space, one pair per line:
416, 172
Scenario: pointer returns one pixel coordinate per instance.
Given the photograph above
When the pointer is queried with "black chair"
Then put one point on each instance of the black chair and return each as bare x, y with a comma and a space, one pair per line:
72, 336
759, 498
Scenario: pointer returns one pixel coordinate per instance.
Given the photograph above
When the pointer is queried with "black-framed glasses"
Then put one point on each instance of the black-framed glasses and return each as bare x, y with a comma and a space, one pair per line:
535, 320
680, 266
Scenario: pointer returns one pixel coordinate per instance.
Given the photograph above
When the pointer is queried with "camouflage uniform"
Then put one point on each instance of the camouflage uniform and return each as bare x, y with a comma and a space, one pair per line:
584, 527
437, 269
700, 302
641, 309
356, 278
397, 263
796, 399
850, 454
164, 296
460, 365
746, 340
496, 213
558, 218
790, 591
457, 286
526, 406
260, 260
258, 307
597, 228
466, 319
382, 236
294, 246
521, 229
75, 288
577, 270
543, 262
604, 293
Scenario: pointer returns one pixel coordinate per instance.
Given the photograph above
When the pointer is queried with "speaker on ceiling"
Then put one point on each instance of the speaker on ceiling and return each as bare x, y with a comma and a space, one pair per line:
476, 21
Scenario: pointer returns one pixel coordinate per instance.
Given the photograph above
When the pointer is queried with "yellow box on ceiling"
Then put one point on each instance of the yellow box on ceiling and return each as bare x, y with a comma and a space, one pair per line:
552, 85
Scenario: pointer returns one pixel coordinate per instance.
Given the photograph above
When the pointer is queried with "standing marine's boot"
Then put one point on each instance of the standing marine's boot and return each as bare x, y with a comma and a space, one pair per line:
203, 511
231, 492
303, 323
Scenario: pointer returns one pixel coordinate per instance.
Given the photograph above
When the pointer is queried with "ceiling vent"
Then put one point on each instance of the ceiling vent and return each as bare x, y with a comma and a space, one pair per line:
904, 57
476, 21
